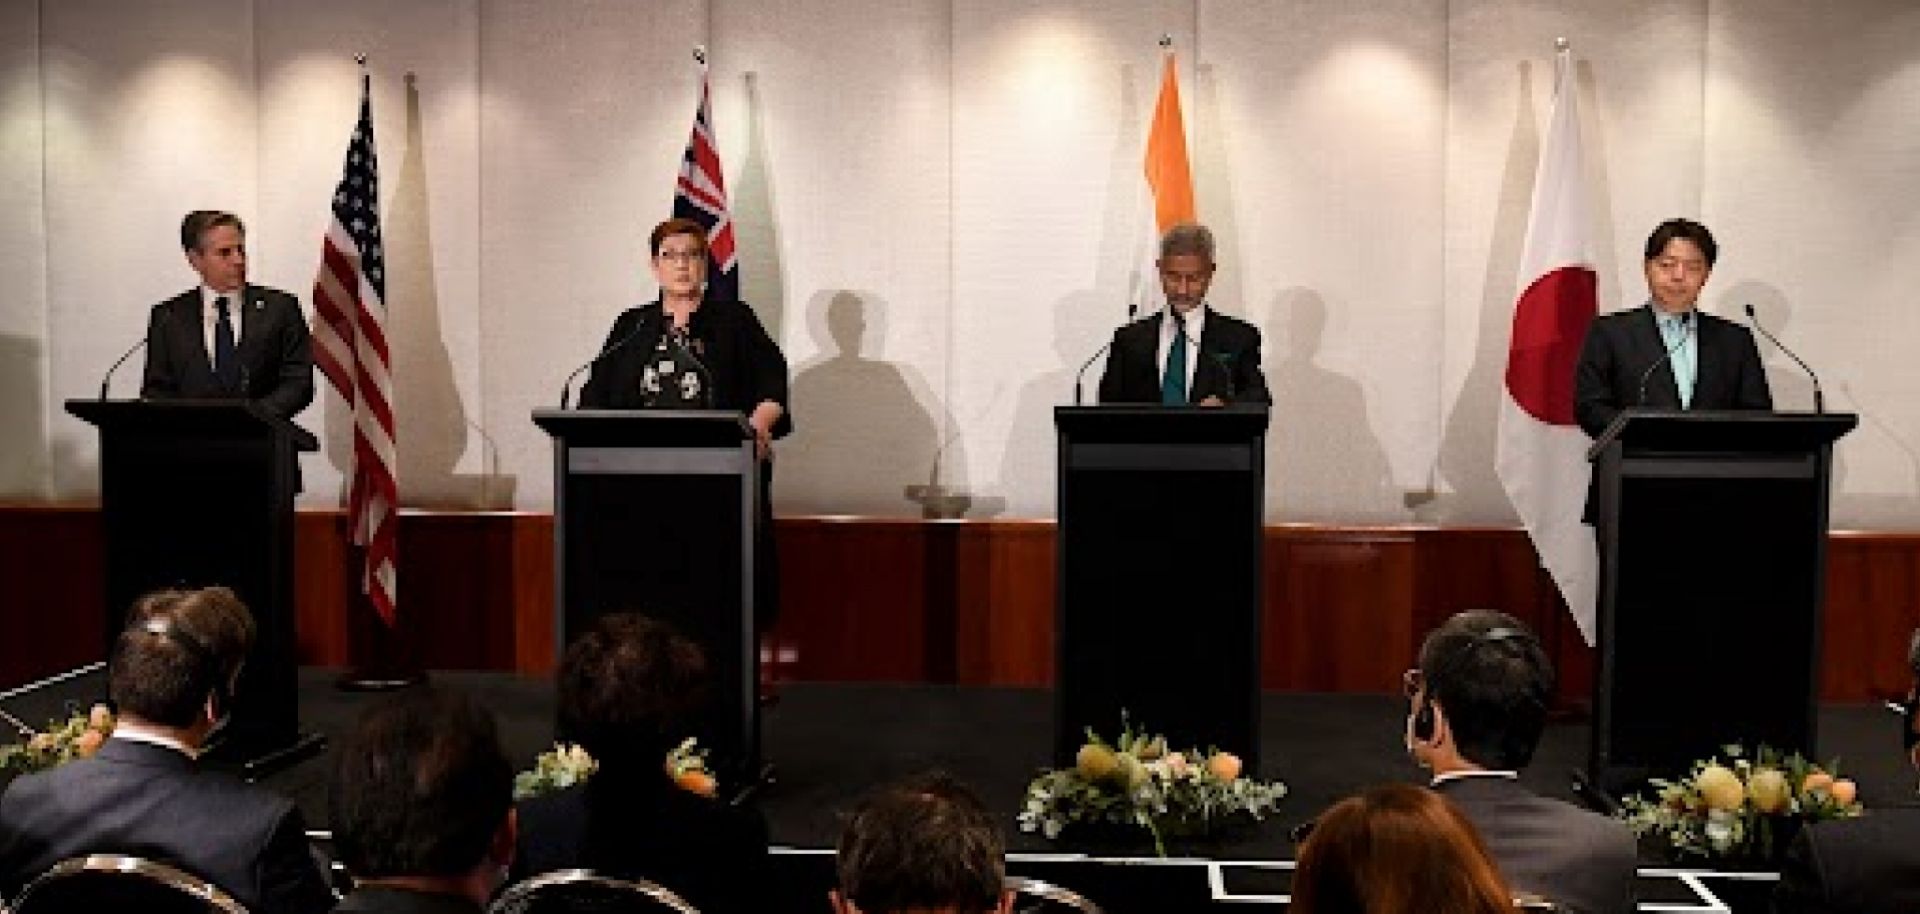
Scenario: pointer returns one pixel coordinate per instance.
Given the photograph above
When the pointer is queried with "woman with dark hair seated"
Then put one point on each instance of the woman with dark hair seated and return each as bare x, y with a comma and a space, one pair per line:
1396, 849
627, 687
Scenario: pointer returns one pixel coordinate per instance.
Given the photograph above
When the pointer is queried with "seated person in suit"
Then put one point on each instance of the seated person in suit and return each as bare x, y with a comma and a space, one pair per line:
1188, 353
1478, 706
143, 793
227, 338
1869, 865
627, 688
1396, 847
421, 801
925, 845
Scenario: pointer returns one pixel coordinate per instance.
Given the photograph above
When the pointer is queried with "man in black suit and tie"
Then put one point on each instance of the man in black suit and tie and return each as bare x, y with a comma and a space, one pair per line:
1666, 354
1188, 354
1869, 865
226, 338
143, 793
1479, 704
421, 802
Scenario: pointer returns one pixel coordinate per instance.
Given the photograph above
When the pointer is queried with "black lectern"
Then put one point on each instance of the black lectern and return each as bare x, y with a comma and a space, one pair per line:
1159, 574
1713, 554
197, 493
656, 512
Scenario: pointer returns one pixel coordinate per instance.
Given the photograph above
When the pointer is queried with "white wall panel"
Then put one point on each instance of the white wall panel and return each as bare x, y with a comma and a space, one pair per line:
1640, 66
585, 108
1320, 158
24, 465
149, 114
1813, 188
424, 57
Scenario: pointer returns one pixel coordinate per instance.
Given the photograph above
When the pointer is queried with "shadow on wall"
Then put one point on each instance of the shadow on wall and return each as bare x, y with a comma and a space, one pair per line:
1029, 469
432, 422
1467, 443
763, 278
23, 405
863, 436
1324, 462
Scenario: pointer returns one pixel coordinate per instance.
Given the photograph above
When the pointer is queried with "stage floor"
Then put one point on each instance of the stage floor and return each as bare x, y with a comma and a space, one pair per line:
831, 742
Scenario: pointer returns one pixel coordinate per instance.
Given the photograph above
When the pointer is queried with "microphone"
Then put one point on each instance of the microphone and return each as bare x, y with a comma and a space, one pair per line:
686, 349
1080, 379
1686, 325
108, 379
566, 387
1819, 398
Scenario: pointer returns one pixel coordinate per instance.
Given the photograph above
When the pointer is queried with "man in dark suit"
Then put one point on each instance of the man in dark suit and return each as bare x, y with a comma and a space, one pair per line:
1479, 704
225, 338
144, 794
1188, 354
629, 687
1869, 865
1666, 354
421, 801
922, 844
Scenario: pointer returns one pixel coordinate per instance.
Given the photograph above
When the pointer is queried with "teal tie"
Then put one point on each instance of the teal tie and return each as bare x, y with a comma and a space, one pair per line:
1173, 384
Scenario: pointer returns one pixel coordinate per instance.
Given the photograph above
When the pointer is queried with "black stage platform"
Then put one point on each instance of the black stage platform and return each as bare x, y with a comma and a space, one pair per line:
830, 742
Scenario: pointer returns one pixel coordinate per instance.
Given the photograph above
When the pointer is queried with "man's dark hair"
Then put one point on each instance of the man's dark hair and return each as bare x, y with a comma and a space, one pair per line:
1682, 228
1490, 676
419, 787
627, 687
178, 648
201, 221
925, 843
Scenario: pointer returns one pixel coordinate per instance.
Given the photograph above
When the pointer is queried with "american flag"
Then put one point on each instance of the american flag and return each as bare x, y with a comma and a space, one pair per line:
700, 194
349, 301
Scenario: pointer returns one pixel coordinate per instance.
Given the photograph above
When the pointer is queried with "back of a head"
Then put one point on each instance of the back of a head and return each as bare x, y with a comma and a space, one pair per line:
626, 687
1494, 681
1396, 849
419, 787
178, 647
924, 844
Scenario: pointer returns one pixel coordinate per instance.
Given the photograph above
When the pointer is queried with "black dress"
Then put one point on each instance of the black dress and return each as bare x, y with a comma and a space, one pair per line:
726, 360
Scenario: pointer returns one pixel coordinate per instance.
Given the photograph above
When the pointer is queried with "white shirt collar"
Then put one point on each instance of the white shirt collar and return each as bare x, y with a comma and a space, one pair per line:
1196, 321
137, 733
1463, 774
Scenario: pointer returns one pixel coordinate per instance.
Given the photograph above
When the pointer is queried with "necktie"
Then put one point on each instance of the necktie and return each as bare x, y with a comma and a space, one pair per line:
226, 360
1675, 332
1173, 384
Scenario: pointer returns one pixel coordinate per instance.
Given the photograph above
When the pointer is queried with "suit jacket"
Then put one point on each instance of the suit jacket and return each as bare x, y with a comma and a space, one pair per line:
746, 364
1228, 367
1869, 865
713, 855
1582, 861
153, 802
275, 352
373, 900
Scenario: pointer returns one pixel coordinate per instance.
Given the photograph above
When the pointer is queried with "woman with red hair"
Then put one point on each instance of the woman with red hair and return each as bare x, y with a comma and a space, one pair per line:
1397, 849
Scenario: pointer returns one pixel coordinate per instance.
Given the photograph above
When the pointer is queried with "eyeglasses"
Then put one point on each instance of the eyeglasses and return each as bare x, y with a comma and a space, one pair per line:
682, 256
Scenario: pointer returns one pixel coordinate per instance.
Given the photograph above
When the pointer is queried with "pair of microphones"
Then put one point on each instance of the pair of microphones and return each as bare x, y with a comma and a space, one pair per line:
1688, 323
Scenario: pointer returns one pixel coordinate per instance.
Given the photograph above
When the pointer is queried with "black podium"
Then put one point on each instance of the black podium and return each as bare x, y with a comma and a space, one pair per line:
198, 493
1158, 608
1713, 539
656, 512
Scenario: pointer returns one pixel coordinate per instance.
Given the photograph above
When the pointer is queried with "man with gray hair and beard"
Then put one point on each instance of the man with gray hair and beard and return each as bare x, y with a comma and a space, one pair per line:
1189, 354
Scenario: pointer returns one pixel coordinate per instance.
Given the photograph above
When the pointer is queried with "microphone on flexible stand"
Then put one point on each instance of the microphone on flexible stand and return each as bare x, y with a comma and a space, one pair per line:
1080, 378
108, 378
1686, 330
567, 387
1819, 398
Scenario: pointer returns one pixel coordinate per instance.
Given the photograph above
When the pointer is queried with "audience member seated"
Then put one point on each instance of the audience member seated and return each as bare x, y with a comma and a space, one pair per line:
926, 845
1396, 849
171, 675
627, 688
1869, 865
1479, 705
421, 801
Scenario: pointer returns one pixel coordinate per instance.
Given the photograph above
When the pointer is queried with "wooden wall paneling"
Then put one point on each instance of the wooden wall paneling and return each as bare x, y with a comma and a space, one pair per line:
321, 588
1339, 613
1490, 568
532, 557
52, 591
1873, 603
852, 599
1005, 619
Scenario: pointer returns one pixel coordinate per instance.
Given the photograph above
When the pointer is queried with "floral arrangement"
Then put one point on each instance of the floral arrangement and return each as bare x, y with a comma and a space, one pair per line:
567, 764
1136, 782
79, 736
1740, 807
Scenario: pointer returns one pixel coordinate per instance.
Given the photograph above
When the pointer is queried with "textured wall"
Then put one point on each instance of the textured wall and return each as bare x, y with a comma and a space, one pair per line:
939, 213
